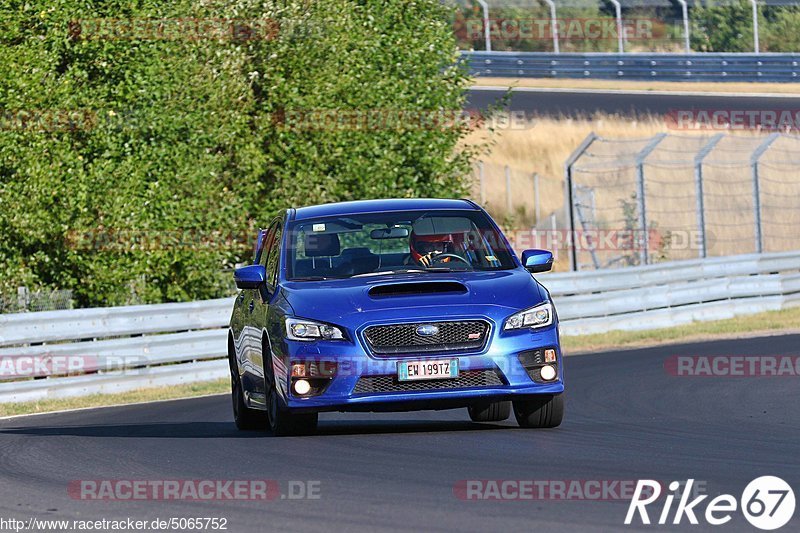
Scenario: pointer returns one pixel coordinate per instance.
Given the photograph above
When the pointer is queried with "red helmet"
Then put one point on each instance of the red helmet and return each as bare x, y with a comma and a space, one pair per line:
424, 244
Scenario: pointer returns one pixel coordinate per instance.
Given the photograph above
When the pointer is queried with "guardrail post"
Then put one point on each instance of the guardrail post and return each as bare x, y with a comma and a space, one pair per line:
640, 157
618, 9
698, 181
569, 197
553, 25
487, 31
685, 14
757, 153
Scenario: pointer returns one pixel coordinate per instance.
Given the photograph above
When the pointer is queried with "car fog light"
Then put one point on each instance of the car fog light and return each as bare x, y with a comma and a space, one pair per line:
302, 387
548, 373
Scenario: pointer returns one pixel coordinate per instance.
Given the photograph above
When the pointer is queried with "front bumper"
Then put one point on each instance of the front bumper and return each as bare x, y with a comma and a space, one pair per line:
343, 392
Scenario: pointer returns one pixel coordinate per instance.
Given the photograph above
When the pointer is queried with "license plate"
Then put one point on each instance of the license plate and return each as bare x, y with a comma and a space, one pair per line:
421, 370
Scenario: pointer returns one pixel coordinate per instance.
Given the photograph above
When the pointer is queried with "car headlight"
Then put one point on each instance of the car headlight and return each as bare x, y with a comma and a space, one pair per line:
535, 317
298, 329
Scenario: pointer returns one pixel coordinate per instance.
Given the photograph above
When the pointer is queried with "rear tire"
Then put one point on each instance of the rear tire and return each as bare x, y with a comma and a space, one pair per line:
489, 412
544, 412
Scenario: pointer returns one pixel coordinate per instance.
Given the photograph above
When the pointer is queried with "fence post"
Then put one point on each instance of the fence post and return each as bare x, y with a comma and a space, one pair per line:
685, 14
698, 182
755, 26
553, 24
22, 298
618, 9
757, 153
481, 181
536, 204
487, 32
569, 197
509, 208
640, 157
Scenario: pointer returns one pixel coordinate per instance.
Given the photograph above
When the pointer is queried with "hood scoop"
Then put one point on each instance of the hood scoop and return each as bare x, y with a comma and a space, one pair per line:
417, 288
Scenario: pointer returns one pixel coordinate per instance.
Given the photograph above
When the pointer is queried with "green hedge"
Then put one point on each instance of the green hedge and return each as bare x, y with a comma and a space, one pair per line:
146, 164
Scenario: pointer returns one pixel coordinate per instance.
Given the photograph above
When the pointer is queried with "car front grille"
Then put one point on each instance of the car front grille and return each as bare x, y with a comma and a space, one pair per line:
467, 335
467, 379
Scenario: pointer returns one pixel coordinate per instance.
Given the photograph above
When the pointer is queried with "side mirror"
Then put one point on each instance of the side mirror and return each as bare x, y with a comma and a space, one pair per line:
250, 277
537, 260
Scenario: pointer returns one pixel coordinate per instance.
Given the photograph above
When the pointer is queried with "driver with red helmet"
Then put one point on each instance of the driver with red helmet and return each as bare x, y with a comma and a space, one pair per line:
425, 248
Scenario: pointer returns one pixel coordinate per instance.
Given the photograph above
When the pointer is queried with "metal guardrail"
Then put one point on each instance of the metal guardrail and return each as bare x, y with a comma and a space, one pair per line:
637, 66
115, 349
676, 293
127, 348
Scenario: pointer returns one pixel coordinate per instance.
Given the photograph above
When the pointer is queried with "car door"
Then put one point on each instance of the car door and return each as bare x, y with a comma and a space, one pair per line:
241, 316
270, 321
251, 369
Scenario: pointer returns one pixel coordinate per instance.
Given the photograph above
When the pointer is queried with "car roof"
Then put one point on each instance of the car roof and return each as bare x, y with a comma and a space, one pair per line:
378, 206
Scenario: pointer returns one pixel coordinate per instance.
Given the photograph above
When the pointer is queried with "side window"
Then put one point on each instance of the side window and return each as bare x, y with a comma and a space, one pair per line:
261, 253
273, 256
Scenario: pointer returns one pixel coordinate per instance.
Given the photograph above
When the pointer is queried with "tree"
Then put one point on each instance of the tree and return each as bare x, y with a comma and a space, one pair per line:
135, 166
722, 28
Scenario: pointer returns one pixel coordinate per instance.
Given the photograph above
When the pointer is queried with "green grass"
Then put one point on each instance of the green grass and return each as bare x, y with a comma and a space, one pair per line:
750, 325
188, 390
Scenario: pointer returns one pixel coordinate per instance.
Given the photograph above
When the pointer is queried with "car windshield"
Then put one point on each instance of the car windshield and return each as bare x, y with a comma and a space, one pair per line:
394, 242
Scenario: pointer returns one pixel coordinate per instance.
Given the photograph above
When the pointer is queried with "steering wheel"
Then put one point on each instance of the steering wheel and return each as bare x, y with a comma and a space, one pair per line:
438, 259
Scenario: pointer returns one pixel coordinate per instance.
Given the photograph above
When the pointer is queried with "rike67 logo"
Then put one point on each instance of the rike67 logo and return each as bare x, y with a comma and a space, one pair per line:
767, 503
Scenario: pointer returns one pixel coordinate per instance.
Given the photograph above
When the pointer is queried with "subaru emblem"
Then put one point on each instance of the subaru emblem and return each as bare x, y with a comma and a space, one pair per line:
427, 330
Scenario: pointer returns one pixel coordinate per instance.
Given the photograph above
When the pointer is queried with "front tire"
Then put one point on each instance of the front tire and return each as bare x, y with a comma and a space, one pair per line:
489, 412
246, 419
282, 422
542, 412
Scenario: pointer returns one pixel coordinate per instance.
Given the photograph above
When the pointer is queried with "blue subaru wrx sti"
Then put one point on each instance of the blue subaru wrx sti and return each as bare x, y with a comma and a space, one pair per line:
392, 305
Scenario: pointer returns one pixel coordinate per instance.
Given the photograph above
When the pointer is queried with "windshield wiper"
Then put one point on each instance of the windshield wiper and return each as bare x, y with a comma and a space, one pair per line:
407, 271
311, 278
393, 271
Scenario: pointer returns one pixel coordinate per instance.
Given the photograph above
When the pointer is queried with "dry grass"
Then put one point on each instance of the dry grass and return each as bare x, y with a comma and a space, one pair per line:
542, 147
546, 143
696, 87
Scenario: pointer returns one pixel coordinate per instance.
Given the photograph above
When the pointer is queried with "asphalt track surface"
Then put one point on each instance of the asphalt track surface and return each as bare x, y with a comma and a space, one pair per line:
579, 103
627, 418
